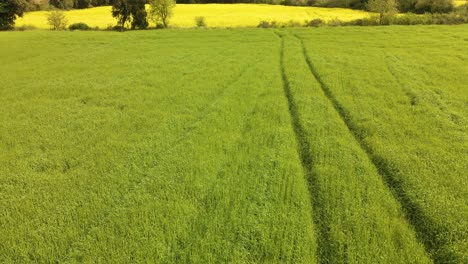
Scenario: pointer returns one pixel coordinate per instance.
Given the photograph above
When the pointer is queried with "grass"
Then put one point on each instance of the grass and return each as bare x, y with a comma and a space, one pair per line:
325, 145
173, 144
408, 110
216, 15
356, 215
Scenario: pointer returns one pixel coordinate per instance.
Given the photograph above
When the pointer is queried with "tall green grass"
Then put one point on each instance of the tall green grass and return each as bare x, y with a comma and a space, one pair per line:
147, 147
356, 216
403, 93
247, 146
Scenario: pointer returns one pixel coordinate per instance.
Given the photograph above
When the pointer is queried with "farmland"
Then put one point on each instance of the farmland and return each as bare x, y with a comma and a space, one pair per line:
217, 15
298, 145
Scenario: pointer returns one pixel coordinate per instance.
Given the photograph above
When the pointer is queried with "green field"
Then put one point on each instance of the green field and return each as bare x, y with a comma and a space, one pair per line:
326, 145
216, 15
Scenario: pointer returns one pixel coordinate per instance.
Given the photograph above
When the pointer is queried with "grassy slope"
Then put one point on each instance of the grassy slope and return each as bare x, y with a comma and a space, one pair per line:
358, 219
403, 92
217, 15
148, 147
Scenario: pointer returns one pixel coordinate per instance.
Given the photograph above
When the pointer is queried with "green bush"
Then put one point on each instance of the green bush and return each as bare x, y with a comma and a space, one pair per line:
25, 27
118, 28
334, 22
268, 24
200, 21
448, 19
159, 25
292, 23
463, 11
79, 26
413, 19
317, 22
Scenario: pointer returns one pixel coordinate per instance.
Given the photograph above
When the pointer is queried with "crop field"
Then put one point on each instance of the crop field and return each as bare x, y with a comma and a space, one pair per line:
299, 145
460, 2
216, 15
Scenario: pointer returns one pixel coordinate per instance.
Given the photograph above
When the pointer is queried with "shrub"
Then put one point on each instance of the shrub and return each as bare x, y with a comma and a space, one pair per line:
356, 22
413, 19
463, 11
447, 19
373, 20
118, 28
334, 22
25, 27
292, 23
57, 20
267, 24
79, 26
369, 21
317, 22
200, 21
159, 25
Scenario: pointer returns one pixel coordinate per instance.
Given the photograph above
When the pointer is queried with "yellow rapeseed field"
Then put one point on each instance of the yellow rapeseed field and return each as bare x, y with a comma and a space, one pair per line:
216, 15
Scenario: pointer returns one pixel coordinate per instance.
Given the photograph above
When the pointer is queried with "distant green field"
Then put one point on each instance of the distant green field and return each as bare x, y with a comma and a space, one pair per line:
216, 15
327, 145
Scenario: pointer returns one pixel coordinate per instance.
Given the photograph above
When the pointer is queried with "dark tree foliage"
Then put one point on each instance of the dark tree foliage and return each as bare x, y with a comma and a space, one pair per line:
139, 14
76, 4
434, 6
121, 10
62, 4
34, 5
355, 4
130, 11
415, 6
9, 11
425, 6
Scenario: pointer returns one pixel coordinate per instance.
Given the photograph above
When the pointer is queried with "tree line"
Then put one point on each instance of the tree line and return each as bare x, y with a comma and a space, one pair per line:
134, 14
414, 6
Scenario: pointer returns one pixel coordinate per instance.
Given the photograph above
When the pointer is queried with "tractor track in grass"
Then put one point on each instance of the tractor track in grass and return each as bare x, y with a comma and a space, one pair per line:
412, 211
201, 115
306, 157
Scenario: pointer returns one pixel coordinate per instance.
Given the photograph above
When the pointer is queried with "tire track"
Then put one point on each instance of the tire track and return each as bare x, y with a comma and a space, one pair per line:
412, 211
304, 151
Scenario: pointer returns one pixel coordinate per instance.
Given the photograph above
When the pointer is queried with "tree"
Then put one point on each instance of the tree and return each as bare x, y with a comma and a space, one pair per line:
57, 20
130, 11
121, 11
387, 9
161, 11
63, 4
139, 14
9, 11
434, 6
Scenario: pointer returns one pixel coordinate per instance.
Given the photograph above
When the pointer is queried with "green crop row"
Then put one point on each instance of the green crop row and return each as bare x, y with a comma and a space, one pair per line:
403, 94
306, 145
358, 219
